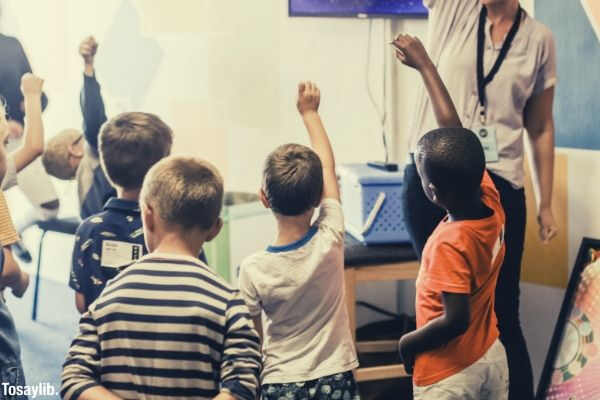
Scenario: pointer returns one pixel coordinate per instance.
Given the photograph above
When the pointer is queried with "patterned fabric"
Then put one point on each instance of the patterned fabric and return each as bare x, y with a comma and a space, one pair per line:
8, 234
120, 221
335, 387
165, 327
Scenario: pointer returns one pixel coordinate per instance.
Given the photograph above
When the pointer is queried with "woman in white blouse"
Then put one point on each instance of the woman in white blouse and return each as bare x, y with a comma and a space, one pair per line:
500, 69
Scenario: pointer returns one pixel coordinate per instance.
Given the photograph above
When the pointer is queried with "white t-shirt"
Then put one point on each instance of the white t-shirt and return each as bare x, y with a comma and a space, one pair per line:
299, 288
529, 69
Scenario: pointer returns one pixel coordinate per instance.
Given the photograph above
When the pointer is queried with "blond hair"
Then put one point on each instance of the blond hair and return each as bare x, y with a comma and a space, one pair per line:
185, 192
56, 157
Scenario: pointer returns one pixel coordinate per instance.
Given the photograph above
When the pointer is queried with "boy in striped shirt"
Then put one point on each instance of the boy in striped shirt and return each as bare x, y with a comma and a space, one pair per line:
167, 326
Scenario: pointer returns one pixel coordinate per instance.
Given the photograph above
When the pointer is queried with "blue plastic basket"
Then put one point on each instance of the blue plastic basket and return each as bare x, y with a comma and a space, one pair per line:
361, 186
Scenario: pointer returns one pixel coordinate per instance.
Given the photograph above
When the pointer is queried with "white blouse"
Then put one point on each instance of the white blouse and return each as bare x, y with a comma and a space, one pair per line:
529, 69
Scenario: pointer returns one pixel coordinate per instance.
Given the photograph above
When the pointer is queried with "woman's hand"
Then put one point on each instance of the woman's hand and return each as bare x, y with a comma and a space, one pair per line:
411, 52
548, 228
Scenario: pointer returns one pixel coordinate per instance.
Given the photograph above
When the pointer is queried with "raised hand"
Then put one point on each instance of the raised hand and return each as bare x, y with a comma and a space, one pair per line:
309, 97
87, 49
31, 85
411, 52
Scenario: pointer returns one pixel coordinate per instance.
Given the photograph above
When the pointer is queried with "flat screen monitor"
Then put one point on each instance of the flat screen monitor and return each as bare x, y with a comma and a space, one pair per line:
357, 8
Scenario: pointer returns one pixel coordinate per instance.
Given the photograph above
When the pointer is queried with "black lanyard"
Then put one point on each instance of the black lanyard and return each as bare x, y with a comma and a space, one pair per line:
483, 81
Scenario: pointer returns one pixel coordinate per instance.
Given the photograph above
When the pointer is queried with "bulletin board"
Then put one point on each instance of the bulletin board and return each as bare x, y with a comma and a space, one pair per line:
576, 28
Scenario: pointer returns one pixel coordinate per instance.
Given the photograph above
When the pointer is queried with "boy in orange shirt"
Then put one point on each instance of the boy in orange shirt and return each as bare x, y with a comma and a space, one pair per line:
455, 351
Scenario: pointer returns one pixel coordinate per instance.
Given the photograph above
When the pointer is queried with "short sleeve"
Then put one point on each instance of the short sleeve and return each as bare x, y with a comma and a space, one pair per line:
78, 278
488, 187
248, 291
546, 70
448, 270
10, 178
8, 233
331, 216
445, 17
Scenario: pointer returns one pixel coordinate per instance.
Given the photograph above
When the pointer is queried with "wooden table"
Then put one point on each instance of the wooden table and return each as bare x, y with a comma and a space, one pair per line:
370, 264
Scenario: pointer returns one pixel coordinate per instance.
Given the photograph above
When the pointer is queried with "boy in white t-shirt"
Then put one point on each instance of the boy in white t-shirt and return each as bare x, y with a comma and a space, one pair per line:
295, 288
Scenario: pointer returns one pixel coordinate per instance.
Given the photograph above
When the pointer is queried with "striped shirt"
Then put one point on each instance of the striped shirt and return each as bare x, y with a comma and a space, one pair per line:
165, 327
8, 234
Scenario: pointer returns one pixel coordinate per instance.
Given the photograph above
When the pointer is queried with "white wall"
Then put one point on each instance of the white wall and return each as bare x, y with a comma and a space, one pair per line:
226, 79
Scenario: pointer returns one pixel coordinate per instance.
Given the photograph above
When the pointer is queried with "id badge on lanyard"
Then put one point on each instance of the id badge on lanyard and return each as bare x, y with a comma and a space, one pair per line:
489, 141
486, 133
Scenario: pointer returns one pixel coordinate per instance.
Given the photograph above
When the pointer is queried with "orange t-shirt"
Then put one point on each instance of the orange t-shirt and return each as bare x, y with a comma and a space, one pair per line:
461, 257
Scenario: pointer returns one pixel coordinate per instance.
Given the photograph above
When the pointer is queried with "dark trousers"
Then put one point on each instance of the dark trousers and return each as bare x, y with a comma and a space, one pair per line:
422, 217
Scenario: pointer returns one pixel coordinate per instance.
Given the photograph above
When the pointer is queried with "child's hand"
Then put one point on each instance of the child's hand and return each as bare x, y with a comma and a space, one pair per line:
309, 97
31, 85
87, 49
410, 51
408, 358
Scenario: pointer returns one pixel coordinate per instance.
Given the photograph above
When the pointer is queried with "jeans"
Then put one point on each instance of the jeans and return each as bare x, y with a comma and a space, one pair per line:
487, 379
422, 216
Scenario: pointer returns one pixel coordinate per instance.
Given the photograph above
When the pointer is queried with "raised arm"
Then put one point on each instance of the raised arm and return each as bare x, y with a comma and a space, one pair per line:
92, 105
33, 143
309, 98
410, 51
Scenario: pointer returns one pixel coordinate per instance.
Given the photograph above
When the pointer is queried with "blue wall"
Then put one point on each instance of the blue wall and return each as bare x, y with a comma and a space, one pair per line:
577, 104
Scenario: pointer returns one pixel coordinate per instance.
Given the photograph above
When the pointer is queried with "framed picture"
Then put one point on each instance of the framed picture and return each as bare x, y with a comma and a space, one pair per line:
572, 367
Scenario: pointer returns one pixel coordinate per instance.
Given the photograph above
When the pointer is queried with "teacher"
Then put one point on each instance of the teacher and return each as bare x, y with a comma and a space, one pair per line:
500, 69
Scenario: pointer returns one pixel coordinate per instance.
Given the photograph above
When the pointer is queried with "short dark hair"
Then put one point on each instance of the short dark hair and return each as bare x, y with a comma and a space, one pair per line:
185, 191
453, 160
293, 179
130, 144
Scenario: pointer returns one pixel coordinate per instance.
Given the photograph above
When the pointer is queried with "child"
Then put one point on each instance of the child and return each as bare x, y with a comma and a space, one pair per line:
455, 350
130, 144
11, 369
296, 286
31, 87
67, 157
167, 325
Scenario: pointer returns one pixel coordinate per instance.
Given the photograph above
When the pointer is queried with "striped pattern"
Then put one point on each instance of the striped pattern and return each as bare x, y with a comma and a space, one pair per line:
166, 327
8, 234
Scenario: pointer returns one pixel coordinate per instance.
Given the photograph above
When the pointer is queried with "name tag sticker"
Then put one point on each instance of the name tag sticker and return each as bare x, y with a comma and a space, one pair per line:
115, 254
487, 137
